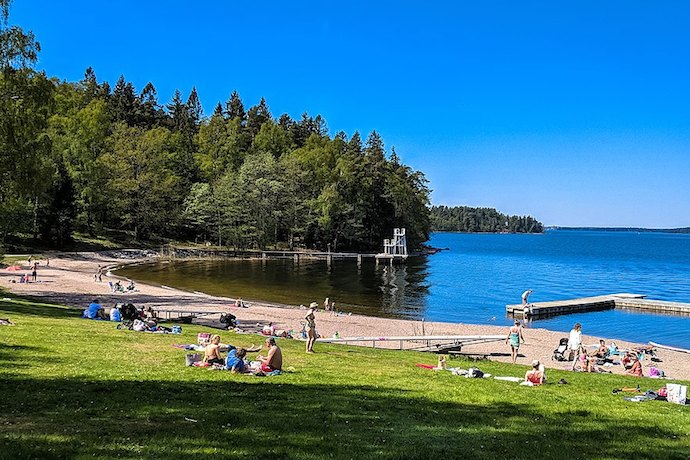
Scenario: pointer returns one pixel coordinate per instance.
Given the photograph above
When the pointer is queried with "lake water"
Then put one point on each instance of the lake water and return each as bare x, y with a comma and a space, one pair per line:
473, 280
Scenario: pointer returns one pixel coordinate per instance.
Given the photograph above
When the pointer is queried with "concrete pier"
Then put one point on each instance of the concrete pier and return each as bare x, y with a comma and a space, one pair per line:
605, 302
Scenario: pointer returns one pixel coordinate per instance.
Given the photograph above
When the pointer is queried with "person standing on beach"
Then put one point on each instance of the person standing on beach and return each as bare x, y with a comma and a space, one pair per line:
515, 336
311, 326
98, 276
326, 304
33, 271
575, 343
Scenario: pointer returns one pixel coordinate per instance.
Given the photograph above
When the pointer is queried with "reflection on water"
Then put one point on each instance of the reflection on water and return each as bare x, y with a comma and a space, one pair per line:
383, 290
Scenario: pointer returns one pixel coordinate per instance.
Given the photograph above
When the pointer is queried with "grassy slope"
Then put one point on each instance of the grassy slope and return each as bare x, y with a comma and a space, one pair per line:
76, 388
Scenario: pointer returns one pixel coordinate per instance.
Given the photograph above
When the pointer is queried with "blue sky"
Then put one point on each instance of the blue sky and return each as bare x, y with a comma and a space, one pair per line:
577, 113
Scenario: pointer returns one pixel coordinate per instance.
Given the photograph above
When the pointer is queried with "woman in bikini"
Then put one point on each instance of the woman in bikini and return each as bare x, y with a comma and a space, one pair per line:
212, 351
515, 336
311, 327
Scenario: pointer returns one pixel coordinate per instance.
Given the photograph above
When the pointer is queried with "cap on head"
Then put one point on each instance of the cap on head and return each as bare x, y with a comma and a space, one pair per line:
535, 363
313, 305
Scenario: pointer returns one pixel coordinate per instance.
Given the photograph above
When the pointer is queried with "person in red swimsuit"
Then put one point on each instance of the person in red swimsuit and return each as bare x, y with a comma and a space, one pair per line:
536, 374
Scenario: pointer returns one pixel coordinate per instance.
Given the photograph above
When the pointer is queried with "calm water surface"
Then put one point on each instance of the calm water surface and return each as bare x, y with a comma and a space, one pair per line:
473, 280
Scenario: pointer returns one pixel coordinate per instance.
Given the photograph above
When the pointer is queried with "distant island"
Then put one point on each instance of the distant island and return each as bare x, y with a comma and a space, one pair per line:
622, 229
480, 220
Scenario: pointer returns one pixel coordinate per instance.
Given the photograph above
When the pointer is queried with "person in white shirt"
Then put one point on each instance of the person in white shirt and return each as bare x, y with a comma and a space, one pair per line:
575, 342
115, 314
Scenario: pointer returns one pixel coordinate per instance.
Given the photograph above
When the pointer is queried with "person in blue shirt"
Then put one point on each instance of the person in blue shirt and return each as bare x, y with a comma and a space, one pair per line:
95, 311
235, 360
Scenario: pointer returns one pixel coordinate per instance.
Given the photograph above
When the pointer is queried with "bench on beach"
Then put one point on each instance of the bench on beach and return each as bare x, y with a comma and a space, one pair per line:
184, 314
454, 354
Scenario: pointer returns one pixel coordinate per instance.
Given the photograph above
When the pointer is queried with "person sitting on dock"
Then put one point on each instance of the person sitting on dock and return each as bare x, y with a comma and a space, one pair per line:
515, 336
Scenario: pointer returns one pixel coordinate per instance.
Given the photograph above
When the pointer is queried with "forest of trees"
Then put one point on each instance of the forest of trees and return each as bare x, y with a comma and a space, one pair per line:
82, 156
467, 219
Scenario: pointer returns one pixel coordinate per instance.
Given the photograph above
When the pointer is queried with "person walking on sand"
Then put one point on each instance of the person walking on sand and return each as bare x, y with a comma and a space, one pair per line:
311, 326
33, 271
514, 337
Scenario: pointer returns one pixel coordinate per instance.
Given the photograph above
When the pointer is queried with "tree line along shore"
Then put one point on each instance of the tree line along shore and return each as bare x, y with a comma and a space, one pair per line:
86, 157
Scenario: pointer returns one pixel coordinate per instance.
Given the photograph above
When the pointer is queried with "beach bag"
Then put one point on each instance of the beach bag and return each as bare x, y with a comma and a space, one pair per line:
203, 338
192, 358
474, 373
655, 372
676, 393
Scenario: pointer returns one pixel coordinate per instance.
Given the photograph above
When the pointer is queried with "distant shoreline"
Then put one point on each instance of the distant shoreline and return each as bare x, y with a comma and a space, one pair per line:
620, 229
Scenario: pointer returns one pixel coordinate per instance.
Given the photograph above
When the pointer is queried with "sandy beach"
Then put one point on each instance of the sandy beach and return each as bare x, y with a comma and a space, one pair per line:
69, 280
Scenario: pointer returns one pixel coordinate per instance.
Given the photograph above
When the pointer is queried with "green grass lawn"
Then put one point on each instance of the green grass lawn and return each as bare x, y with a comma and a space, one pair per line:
73, 388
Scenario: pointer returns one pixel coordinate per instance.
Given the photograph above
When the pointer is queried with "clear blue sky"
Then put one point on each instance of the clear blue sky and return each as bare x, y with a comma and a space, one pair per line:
577, 113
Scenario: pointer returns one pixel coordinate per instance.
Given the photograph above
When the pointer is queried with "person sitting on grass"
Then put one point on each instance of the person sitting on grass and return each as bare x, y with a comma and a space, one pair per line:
96, 311
274, 360
212, 352
636, 368
115, 314
535, 375
235, 361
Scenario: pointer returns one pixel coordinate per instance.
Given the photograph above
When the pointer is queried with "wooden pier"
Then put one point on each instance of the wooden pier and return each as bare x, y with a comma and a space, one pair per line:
605, 302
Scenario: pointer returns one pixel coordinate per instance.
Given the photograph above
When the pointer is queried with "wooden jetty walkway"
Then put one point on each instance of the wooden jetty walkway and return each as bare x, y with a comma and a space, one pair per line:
428, 343
597, 303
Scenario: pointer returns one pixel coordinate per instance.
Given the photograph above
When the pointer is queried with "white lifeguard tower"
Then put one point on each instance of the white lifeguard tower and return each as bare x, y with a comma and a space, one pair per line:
394, 249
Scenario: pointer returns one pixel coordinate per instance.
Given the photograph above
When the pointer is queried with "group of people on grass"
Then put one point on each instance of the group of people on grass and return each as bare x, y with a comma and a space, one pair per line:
582, 360
236, 362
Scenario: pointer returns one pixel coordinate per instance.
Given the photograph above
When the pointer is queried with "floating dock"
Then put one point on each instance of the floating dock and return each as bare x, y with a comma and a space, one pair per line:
598, 303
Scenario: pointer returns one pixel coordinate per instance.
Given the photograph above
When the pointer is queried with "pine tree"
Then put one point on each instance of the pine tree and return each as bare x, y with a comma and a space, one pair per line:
194, 109
234, 108
257, 116
150, 114
123, 102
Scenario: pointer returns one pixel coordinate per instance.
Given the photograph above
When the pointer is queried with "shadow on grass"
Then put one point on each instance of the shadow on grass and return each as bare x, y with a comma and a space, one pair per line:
11, 355
30, 307
262, 418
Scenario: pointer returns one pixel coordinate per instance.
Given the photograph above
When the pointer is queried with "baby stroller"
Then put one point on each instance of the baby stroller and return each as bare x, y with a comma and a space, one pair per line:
129, 313
229, 320
559, 352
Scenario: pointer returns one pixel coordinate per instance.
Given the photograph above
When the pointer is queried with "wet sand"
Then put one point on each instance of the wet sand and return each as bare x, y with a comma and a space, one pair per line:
69, 280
